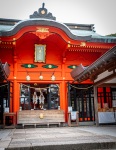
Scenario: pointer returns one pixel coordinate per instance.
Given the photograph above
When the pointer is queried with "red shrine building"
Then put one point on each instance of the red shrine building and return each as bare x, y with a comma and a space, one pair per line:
37, 57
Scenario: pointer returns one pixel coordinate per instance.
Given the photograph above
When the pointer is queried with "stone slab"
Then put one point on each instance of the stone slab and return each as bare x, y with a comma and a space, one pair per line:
63, 138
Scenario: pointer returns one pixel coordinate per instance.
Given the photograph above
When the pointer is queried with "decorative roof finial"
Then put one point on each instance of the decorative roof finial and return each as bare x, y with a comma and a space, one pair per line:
43, 4
43, 13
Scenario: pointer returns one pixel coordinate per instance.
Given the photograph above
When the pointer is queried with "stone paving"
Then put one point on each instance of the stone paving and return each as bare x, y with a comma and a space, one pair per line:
55, 138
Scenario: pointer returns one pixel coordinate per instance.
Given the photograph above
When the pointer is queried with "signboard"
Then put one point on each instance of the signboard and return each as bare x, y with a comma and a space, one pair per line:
113, 103
6, 109
69, 108
73, 115
40, 53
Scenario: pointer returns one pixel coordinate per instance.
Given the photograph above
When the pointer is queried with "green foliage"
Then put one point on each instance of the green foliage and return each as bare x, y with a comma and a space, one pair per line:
112, 34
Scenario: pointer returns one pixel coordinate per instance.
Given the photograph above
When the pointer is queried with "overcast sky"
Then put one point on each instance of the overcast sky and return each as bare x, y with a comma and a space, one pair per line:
101, 13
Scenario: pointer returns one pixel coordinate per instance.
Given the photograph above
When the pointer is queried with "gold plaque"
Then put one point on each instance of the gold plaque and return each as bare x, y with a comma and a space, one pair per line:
40, 53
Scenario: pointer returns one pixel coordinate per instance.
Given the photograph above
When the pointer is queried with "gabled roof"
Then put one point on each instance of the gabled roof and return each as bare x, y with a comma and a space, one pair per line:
106, 62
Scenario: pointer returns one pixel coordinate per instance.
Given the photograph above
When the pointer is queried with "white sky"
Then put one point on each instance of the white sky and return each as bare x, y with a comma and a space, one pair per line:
101, 13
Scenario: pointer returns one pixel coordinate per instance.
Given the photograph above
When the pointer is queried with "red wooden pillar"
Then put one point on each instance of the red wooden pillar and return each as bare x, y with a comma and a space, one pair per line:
11, 98
63, 100
63, 97
15, 87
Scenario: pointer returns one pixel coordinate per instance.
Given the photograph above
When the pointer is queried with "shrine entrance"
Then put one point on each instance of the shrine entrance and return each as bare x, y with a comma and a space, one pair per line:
82, 100
39, 96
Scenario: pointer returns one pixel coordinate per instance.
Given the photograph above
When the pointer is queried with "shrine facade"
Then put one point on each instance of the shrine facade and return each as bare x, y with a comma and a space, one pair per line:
41, 53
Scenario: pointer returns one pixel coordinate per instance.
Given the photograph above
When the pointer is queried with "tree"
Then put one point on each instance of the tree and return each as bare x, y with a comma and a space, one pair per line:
114, 34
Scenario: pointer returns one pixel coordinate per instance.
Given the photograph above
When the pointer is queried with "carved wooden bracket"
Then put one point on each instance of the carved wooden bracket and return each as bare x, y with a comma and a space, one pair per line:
42, 33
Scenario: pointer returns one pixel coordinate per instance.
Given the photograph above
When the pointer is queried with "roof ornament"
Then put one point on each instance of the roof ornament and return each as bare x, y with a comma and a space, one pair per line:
43, 13
43, 4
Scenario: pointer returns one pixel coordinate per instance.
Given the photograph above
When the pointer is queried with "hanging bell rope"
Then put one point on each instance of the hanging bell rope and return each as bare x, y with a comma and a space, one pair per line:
3, 85
39, 89
81, 88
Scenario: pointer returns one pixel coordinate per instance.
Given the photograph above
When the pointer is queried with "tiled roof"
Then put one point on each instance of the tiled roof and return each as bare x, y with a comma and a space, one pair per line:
106, 62
79, 30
